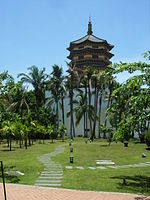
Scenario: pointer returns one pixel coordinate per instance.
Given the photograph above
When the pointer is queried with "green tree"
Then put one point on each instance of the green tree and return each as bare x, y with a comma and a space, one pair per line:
101, 90
19, 131
72, 82
55, 86
61, 130
51, 131
89, 74
129, 97
81, 109
37, 78
9, 129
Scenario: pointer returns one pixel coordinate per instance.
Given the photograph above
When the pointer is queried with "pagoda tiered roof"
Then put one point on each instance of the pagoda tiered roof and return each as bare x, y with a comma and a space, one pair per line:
90, 51
91, 38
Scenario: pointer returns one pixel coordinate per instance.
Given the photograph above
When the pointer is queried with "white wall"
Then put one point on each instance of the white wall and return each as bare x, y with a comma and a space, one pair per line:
79, 130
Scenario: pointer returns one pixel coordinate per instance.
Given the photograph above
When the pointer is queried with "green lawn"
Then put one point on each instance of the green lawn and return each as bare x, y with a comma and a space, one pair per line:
138, 179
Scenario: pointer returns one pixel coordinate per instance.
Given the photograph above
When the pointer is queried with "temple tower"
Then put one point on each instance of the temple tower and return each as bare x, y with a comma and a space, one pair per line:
90, 51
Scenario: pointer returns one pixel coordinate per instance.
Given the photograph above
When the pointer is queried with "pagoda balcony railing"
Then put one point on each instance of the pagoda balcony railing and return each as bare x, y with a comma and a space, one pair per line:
91, 60
101, 50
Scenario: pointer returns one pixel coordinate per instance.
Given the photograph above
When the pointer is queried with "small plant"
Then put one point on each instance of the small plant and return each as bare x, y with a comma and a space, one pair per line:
61, 130
52, 132
147, 138
123, 133
106, 130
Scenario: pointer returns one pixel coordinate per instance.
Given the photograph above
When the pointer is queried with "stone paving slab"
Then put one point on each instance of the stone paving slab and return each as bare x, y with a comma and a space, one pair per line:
48, 181
69, 167
105, 163
48, 184
79, 167
22, 192
101, 167
49, 174
110, 166
92, 168
50, 177
52, 172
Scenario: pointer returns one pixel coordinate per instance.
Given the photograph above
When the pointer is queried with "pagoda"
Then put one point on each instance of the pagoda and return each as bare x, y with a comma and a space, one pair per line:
90, 51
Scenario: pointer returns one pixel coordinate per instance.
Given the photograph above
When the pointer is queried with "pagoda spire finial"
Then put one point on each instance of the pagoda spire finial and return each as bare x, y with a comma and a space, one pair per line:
89, 27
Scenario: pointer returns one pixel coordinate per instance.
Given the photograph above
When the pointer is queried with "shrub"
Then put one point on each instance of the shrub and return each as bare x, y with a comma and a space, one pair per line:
61, 130
147, 138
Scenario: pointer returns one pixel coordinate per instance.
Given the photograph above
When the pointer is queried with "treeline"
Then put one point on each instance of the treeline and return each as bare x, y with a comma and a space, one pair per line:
28, 114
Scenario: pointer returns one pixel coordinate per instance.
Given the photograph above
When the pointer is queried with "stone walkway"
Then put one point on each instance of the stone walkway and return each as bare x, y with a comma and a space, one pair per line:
112, 167
22, 192
52, 174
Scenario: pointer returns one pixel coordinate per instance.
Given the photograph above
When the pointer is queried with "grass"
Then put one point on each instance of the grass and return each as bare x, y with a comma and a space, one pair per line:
137, 179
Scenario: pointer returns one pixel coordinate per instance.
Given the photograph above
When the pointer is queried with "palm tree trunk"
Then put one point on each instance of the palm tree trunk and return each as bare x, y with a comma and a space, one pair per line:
7, 140
100, 108
84, 124
57, 114
63, 117
10, 143
86, 114
71, 112
20, 143
37, 108
74, 134
90, 111
20, 140
25, 143
148, 125
95, 110
29, 140
132, 133
108, 104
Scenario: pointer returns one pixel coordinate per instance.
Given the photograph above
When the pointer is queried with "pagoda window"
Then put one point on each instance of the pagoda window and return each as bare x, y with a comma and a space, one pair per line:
81, 47
95, 46
95, 56
81, 57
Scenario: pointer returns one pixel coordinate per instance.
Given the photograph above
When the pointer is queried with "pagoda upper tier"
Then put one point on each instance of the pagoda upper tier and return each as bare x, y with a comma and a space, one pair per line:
90, 51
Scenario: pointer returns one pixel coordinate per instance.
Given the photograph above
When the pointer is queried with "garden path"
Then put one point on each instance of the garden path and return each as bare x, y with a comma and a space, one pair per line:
52, 174
110, 166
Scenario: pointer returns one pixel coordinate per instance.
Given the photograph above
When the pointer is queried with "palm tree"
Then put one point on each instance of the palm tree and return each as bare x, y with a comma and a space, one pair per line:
63, 93
101, 88
83, 83
61, 130
109, 85
89, 74
19, 96
19, 131
37, 79
56, 88
9, 129
51, 131
72, 82
81, 109
96, 91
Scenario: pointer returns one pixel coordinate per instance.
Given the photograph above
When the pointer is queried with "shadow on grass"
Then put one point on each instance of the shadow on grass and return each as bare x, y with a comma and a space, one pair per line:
148, 149
9, 178
17, 147
104, 145
138, 184
7, 150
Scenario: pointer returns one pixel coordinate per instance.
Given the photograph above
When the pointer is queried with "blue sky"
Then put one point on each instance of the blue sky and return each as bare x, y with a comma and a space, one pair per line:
37, 32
